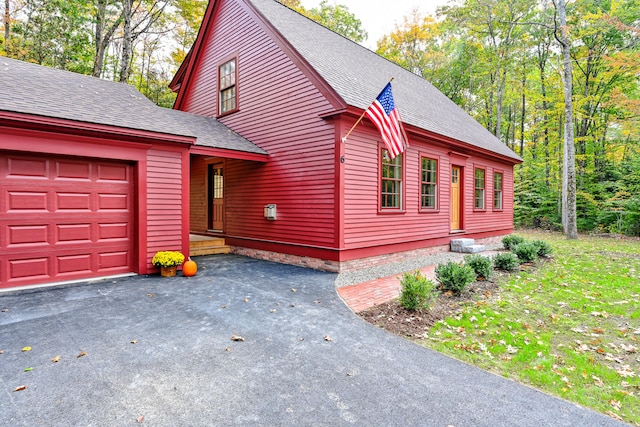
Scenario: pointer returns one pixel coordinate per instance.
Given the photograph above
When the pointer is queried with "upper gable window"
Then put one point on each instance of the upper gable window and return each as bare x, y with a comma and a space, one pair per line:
228, 91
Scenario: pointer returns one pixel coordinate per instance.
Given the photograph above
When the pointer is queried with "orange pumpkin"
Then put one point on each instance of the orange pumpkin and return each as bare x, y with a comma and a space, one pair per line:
189, 268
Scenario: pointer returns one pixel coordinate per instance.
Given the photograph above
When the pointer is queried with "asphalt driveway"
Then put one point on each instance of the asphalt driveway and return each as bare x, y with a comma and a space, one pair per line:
158, 351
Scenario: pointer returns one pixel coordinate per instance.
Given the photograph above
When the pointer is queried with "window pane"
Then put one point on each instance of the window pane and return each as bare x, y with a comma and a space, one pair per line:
391, 184
429, 183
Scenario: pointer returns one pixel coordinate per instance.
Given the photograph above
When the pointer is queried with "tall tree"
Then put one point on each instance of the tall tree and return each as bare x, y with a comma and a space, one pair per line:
108, 17
569, 223
7, 25
339, 19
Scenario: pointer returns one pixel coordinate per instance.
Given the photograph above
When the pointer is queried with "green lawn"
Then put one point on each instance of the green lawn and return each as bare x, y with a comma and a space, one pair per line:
569, 326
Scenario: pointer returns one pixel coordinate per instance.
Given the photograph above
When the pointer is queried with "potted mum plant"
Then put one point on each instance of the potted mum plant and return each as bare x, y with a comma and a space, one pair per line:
168, 261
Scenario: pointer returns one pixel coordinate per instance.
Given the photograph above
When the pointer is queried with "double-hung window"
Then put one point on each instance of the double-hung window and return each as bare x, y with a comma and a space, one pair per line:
479, 189
429, 184
497, 190
228, 92
391, 181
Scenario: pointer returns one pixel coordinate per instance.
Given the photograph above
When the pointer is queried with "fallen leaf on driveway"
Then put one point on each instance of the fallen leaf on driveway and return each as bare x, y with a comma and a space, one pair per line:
27, 348
134, 341
328, 338
28, 369
140, 419
235, 337
150, 295
294, 290
83, 353
227, 349
56, 359
246, 300
22, 387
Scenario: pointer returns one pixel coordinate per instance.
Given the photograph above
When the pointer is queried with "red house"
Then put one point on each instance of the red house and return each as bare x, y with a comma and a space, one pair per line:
295, 88
94, 178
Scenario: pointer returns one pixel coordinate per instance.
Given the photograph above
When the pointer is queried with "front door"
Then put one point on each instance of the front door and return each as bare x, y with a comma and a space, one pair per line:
455, 198
216, 197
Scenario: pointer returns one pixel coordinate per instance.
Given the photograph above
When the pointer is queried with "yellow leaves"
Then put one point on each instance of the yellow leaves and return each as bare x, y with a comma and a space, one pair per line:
56, 359
25, 349
82, 354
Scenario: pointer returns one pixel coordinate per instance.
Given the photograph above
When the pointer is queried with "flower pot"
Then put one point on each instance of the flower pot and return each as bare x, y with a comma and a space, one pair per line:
168, 271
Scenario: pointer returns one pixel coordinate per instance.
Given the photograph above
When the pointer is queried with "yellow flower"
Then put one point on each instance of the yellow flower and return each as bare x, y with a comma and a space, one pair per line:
167, 259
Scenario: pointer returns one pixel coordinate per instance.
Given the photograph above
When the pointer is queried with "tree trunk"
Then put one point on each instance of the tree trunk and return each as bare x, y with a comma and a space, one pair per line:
102, 37
7, 26
127, 41
569, 172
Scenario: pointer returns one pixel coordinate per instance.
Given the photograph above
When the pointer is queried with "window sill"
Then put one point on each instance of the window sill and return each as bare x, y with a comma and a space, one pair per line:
226, 113
391, 212
429, 211
498, 210
479, 210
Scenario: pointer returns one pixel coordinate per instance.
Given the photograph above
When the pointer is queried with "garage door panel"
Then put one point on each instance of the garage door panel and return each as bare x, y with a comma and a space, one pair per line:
36, 268
76, 171
20, 236
64, 219
110, 172
18, 201
73, 233
27, 167
112, 260
80, 263
113, 231
73, 201
113, 201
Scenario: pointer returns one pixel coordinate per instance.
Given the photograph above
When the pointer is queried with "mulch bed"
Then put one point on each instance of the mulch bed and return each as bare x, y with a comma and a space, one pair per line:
392, 317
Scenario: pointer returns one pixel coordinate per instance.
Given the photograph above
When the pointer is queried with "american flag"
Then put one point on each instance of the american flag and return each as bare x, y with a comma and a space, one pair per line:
385, 116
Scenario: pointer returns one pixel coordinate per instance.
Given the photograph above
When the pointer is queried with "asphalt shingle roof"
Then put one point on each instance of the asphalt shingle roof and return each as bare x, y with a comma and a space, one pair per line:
358, 75
47, 92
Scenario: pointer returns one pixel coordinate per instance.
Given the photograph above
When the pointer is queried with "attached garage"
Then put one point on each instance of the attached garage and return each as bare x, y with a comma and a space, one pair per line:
65, 218
94, 177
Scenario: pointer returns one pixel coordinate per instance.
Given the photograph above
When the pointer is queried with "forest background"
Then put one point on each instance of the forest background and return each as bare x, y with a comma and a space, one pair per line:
499, 60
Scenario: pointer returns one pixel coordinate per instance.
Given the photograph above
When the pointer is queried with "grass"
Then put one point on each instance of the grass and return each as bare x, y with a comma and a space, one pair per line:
569, 326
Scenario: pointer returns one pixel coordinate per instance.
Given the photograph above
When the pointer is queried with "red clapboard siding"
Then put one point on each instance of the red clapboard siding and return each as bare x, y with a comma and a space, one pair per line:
366, 226
278, 110
164, 202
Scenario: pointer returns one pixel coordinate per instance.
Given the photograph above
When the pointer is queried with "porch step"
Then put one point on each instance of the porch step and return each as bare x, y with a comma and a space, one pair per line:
204, 245
467, 246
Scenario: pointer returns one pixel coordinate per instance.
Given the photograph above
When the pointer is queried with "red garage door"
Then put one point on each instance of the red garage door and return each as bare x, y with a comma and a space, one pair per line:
64, 218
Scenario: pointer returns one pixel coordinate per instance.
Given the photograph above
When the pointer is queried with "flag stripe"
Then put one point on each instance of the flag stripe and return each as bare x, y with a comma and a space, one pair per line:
385, 116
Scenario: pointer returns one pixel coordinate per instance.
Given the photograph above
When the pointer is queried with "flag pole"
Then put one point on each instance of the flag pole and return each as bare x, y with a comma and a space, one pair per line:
344, 139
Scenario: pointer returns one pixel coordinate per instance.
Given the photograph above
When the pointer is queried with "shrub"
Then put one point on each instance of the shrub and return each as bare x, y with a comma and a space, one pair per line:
512, 241
506, 261
482, 265
544, 248
526, 252
454, 277
418, 292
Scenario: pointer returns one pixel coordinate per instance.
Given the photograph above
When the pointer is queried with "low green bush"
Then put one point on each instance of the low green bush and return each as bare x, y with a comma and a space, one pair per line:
511, 241
454, 277
418, 292
544, 248
482, 265
506, 261
526, 252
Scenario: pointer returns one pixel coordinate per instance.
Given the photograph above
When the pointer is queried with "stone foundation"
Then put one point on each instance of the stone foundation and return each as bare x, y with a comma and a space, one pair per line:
356, 264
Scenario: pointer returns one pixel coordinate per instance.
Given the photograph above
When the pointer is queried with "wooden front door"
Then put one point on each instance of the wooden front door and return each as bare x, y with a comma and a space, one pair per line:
216, 197
455, 198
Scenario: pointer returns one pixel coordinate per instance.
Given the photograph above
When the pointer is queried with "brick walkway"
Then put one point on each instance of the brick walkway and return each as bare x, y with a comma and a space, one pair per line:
365, 295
